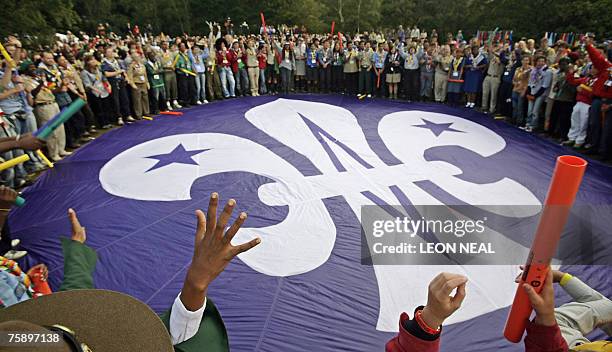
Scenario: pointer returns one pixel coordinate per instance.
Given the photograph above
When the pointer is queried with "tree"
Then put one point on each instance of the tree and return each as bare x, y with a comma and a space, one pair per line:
37, 18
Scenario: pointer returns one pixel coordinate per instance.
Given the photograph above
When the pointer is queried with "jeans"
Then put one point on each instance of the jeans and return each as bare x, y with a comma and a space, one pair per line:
286, 75
518, 108
227, 82
262, 81
10, 175
533, 111
200, 82
242, 81
426, 84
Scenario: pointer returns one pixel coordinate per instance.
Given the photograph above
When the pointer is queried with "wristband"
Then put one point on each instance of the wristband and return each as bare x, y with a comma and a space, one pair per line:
565, 278
423, 325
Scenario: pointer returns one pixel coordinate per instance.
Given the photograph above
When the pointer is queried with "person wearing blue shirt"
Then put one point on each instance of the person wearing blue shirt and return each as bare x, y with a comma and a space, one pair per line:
540, 80
198, 56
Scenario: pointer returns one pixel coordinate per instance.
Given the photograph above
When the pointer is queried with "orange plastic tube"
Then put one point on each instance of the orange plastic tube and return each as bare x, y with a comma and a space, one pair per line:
563, 188
175, 113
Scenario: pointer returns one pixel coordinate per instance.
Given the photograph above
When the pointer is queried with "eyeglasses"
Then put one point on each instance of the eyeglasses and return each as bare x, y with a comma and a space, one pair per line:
70, 338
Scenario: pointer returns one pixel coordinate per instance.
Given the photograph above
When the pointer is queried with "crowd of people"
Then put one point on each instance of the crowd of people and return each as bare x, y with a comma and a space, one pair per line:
560, 89
563, 90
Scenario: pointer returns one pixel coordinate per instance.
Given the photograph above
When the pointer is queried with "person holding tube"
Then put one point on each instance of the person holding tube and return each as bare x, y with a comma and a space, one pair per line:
548, 332
564, 328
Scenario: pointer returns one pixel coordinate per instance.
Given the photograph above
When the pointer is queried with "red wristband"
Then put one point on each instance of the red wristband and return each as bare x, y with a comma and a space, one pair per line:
423, 324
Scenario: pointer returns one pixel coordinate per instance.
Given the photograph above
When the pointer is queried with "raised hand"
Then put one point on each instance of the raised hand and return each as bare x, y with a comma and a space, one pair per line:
78, 231
213, 250
440, 305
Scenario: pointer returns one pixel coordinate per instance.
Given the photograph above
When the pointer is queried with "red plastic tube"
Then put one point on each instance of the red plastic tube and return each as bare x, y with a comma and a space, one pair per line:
563, 188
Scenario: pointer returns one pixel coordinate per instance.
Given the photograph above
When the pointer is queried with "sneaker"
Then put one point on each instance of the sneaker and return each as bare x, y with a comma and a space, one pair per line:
65, 153
130, 119
176, 105
206, 101
577, 146
120, 122
468, 105
14, 255
107, 126
529, 129
369, 95
199, 102
168, 105
20, 183
55, 158
15, 242
568, 143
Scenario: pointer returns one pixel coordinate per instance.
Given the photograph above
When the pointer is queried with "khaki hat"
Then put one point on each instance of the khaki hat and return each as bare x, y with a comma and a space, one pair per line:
103, 320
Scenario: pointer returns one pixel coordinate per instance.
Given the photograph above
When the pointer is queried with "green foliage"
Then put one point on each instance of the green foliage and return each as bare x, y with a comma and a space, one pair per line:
526, 17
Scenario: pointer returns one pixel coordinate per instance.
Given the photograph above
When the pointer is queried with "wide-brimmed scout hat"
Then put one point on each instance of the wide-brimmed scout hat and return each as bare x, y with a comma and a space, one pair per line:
102, 320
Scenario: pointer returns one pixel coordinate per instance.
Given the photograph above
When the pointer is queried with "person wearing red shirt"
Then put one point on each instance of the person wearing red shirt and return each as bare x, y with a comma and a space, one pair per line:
422, 333
225, 58
580, 114
600, 122
262, 57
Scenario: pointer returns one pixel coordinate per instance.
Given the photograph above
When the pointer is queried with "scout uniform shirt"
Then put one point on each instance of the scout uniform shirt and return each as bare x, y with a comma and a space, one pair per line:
45, 95
350, 60
137, 73
311, 58
442, 63
365, 59
324, 56
182, 64
167, 60
251, 55
155, 74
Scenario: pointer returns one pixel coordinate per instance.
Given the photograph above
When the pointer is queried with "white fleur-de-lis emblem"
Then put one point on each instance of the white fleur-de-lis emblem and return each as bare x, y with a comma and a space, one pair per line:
333, 140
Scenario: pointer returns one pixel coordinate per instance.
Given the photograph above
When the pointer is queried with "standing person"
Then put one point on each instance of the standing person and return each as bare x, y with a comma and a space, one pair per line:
198, 56
350, 69
490, 86
271, 73
442, 62
262, 57
224, 66
393, 71
540, 79
324, 58
312, 71
580, 114
239, 68
379, 67
455, 78
337, 75
155, 76
366, 60
75, 126
137, 78
287, 65
168, 59
505, 91
411, 73
475, 64
565, 97
46, 106
520, 83
252, 67
98, 92
600, 135
119, 93
185, 77
427, 74
300, 65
